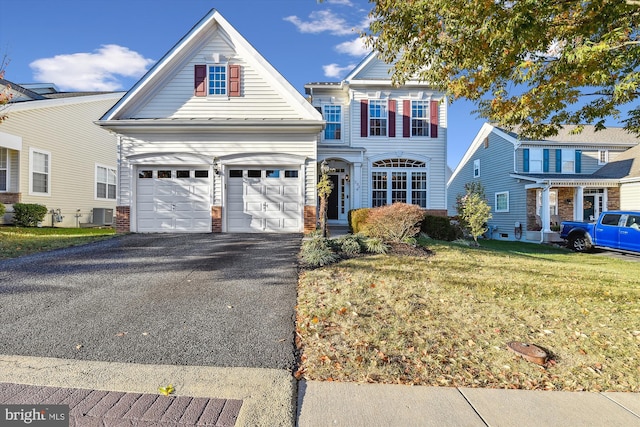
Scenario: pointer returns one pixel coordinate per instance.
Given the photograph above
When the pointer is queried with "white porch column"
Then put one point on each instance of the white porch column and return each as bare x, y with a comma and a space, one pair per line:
578, 208
545, 214
356, 194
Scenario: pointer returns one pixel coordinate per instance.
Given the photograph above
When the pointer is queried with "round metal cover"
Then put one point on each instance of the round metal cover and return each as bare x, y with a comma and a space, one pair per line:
530, 352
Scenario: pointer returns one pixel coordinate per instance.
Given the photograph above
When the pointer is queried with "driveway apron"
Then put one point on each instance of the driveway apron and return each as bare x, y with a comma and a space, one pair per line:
223, 300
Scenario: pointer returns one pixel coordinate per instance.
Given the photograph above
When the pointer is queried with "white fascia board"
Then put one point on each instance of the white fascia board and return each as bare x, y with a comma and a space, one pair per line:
13, 142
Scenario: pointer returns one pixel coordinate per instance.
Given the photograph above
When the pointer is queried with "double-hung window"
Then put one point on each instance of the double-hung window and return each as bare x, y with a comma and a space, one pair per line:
105, 183
502, 201
333, 117
568, 160
4, 169
419, 118
476, 168
40, 172
378, 116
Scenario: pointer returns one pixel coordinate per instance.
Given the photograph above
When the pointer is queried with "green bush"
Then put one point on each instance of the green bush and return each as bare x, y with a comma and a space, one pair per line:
316, 252
394, 223
375, 245
350, 245
357, 219
28, 214
3, 209
440, 228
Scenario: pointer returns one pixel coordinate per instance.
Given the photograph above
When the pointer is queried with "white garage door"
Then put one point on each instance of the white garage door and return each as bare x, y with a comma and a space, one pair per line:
173, 199
264, 200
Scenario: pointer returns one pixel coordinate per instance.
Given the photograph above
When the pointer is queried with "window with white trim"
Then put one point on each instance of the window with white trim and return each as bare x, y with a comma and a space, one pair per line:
603, 157
39, 172
217, 78
502, 201
535, 159
333, 117
4, 169
419, 118
568, 160
399, 180
105, 183
378, 116
476, 168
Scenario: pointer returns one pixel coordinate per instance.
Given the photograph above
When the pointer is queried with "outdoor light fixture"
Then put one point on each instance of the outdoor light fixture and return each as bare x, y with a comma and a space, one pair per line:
324, 167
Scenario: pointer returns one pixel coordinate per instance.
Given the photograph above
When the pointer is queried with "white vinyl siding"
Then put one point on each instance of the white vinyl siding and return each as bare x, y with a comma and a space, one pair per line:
39, 172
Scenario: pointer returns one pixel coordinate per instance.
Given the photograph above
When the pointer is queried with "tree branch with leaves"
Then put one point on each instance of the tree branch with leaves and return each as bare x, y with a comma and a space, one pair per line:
535, 64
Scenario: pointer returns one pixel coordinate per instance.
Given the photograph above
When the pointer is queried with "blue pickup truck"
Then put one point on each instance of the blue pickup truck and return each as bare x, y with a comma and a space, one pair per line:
614, 230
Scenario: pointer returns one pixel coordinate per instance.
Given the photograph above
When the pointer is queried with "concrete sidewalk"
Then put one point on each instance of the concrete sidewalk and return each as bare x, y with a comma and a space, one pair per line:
349, 404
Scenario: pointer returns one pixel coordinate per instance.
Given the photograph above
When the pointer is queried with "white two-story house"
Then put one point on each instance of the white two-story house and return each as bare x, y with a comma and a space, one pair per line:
383, 143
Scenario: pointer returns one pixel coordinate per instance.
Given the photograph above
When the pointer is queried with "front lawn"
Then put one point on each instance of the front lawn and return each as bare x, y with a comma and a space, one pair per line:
446, 319
18, 241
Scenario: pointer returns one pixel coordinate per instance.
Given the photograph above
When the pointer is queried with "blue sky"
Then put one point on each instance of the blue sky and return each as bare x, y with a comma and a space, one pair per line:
108, 45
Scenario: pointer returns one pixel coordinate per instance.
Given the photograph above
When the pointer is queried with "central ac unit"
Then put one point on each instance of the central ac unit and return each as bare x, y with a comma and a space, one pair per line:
102, 216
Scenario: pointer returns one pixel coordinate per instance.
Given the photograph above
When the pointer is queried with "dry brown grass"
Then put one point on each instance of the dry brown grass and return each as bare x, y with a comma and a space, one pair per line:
445, 319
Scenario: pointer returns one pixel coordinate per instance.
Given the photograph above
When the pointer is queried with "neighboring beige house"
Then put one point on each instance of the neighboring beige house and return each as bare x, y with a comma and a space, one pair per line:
214, 139
53, 154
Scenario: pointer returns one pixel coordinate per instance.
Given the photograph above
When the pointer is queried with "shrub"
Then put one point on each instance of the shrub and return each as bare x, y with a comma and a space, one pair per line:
375, 245
357, 219
28, 214
3, 209
316, 252
350, 245
394, 223
440, 228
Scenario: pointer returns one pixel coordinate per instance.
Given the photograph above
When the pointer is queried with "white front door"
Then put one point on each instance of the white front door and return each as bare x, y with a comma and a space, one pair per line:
264, 199
173, 199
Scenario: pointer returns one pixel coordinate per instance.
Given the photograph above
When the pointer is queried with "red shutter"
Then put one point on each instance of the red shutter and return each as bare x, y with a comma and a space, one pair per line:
364, 118
434, 118
235, 80
200, 80
406, 118
392, 118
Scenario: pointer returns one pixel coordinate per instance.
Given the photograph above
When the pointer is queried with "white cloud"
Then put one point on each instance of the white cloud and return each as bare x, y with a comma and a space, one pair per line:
96, 71
323, 21
340, 2
354, 47
336, 71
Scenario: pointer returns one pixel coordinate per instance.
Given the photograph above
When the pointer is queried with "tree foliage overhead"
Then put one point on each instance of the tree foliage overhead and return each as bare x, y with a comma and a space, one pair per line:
536, 64
5, 95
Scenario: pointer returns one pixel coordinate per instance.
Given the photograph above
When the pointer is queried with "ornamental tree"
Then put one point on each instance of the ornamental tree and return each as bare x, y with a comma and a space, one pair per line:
536, 64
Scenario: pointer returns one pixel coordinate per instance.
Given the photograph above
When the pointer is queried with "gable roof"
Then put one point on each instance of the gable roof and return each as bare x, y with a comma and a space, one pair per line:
589, 135
625, 166
187, 47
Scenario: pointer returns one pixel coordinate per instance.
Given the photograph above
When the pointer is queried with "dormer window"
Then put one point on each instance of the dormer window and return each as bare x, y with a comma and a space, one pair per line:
217, 80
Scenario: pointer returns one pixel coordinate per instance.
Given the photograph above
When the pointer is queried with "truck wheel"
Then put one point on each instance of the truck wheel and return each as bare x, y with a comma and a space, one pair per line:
580, 243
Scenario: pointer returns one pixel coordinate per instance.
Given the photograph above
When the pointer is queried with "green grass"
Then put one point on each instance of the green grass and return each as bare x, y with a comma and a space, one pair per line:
446, 319
19, 241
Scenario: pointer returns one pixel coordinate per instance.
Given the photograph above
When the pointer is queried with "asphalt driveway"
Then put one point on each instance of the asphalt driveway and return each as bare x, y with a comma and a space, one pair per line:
180, 299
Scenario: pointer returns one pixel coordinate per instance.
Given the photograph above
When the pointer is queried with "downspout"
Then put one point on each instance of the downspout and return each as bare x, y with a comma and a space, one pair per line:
544, 217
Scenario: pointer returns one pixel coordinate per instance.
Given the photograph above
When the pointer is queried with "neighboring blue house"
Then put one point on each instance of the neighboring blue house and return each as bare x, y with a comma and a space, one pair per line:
532, 185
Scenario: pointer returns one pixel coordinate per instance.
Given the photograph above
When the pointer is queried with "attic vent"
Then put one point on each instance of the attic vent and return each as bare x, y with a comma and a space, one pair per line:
215, 57
486, 142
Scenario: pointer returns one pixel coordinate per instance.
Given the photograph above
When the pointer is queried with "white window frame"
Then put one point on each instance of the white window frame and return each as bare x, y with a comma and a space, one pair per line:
326, 116
387, 175
424, 119
497, 195
536, 158
603, 157
4, 167
225, 81
476, 168
384, 107
33, 151
107, 184
568, 160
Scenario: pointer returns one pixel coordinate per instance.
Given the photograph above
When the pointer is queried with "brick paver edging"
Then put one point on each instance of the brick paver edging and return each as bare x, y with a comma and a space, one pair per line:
111, 408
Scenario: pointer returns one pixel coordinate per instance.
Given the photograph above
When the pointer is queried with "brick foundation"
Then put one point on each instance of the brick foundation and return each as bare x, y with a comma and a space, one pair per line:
123, 222
310, 218
216, 219
436, 212
10, 198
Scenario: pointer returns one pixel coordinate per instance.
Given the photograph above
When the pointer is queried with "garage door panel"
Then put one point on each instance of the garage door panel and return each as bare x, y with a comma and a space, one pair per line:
290, 190
173, 204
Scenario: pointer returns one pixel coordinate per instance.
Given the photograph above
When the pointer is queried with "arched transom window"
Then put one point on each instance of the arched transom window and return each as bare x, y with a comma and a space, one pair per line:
399, 180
